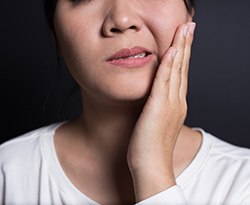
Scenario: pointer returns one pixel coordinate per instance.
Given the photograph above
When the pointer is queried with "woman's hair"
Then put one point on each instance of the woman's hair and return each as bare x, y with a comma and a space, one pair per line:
190, 5
51, 4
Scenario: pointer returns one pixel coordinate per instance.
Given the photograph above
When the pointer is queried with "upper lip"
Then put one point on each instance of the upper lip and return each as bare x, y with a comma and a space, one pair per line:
126, 52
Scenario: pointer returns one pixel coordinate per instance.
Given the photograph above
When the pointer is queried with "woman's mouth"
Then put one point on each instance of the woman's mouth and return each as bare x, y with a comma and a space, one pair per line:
131, 57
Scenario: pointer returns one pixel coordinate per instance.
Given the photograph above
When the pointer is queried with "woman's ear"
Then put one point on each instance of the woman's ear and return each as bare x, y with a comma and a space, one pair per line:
191, 15
192, 12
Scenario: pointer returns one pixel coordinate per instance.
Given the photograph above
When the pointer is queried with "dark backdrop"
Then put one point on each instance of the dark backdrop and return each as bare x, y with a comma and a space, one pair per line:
36, 89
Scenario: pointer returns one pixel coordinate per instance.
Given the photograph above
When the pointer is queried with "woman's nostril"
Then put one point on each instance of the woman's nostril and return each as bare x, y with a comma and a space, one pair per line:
133, 27
115, 30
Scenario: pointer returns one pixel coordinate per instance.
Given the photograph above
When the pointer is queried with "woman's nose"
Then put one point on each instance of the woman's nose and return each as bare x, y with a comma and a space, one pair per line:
122, 17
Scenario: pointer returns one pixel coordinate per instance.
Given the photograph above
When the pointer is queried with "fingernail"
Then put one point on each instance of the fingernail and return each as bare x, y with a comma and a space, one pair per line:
185, 31
174, 52
192, 28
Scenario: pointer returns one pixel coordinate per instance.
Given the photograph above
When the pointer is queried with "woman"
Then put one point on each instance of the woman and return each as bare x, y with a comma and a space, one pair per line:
130, 59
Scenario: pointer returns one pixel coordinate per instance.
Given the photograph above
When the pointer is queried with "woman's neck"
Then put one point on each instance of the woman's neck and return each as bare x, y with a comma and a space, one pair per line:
109, 126
103, 131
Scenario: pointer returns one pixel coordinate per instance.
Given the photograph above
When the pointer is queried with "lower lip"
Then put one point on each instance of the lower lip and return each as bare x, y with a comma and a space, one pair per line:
131, 62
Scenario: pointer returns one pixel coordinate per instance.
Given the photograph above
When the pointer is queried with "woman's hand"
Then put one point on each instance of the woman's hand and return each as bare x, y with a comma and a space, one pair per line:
150, 152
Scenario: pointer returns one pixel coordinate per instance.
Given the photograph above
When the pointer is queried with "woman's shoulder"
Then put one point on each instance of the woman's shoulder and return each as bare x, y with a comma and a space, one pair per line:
24, 147
222, 148
227, 160
218, 167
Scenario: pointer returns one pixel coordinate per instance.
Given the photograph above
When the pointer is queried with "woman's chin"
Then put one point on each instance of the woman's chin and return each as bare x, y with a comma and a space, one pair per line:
129, 95
119, 93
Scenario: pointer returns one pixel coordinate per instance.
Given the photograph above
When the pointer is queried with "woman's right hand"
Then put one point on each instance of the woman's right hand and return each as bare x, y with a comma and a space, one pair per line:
150, 152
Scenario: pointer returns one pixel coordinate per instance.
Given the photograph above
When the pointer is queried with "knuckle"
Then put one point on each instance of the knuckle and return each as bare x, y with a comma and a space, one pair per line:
163, 79
178, 66
186, 65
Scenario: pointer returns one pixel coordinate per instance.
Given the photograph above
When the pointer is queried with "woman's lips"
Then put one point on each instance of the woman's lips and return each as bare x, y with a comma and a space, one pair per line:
131, 57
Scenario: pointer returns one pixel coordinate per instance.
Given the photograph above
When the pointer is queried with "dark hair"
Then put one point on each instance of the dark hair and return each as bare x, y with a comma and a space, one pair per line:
51, 4
190, 5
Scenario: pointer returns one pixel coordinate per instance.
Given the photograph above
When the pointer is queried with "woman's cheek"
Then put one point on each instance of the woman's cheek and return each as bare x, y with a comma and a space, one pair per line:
163, 33
167, 18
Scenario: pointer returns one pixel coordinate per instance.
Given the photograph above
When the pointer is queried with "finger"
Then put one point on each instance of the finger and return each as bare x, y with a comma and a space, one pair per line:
186, 60
160, 86
175, 76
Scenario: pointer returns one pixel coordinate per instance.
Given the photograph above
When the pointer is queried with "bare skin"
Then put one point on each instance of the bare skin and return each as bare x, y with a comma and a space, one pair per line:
126, 146
107, 181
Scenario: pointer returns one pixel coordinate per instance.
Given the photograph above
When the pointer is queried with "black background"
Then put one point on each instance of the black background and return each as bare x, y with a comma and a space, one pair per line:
36, 89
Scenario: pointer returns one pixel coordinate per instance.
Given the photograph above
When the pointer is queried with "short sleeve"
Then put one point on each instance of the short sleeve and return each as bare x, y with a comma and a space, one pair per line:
171, 196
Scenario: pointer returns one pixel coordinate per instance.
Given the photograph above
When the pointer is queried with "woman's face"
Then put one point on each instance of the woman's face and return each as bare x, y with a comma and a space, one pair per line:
90, 32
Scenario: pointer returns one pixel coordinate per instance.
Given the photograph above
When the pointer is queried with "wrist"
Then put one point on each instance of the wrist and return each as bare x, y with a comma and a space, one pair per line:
149, 183
160, 159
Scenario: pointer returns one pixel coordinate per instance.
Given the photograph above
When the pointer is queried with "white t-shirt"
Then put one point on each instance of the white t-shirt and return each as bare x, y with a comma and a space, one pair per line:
30, 173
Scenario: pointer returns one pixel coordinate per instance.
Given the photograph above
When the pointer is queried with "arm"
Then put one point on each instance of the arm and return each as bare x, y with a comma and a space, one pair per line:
152, 144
